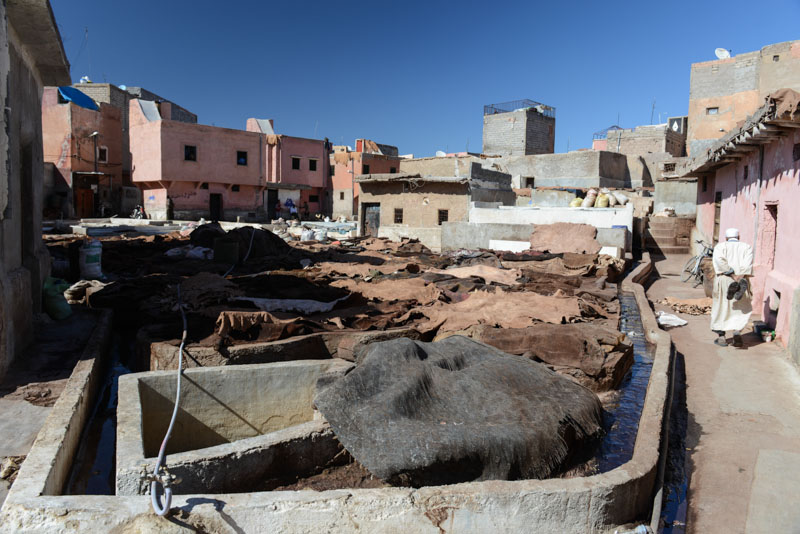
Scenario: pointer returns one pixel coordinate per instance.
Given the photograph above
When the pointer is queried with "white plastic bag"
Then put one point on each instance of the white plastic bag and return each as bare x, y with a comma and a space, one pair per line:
307, 235
667, 319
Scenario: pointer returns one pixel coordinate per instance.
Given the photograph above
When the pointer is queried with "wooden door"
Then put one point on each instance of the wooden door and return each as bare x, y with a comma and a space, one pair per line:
717, 209
84, 203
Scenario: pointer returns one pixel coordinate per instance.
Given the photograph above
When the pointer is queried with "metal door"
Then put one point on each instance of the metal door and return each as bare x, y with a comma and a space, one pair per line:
371, 219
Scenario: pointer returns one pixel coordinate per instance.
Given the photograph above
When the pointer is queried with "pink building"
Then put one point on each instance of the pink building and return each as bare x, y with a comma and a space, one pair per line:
369, 157
749, 180
83, 146
189, 171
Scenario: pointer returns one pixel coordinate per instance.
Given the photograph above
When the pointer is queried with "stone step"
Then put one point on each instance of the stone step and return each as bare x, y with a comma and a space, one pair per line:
662, 241
658, 232
671, 250
662, 222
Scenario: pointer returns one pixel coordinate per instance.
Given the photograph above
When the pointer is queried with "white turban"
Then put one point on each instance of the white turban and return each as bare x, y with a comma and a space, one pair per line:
732, 233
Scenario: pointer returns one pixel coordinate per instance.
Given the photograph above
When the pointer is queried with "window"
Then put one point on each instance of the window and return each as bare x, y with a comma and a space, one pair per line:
392, 170
241, 157
235, 188
296, 164
204, 185
102, 154
796, 152
442, 216
313, 198
365, 169
712, 111
669, 167
528, 182
398, 215
776, 58
341, 195
332, 170
312, 165
189, 153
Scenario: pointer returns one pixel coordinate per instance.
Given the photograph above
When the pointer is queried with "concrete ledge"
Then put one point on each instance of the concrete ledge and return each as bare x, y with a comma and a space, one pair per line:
48, 463
597, 503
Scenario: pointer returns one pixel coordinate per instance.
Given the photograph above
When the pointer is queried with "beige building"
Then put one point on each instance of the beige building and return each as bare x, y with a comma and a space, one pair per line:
415, 205
31, 56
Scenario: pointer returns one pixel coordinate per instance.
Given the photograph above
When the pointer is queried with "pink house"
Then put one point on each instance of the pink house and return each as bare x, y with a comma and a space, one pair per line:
189, 171
750, 180
369, 157
82, 144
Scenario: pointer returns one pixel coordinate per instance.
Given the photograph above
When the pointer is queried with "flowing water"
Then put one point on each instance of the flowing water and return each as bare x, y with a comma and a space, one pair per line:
621, 419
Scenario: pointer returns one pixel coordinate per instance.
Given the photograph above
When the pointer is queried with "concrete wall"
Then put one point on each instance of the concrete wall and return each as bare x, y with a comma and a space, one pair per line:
681, 195
24, 261
746, 204
580, 169
518, 133
737, 87
546, 198
597, 217
646, 140
421, 206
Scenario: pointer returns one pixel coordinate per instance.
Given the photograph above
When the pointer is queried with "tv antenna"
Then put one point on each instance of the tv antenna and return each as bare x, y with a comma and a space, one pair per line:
722, 53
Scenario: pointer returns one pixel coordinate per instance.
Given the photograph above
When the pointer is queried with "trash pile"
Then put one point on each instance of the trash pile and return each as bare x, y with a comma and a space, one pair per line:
701, 306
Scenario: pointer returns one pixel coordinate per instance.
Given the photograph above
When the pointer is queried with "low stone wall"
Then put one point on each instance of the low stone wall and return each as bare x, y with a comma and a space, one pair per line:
680, 195
431, 237
472, 236
594, 504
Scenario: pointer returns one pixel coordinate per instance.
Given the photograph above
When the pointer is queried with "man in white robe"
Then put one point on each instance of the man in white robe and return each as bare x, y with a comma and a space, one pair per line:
732, 306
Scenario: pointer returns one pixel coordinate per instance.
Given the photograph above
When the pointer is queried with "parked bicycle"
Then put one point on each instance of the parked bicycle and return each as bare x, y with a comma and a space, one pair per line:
693, 269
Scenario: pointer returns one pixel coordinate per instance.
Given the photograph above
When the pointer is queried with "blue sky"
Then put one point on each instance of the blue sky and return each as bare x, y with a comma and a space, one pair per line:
414, 74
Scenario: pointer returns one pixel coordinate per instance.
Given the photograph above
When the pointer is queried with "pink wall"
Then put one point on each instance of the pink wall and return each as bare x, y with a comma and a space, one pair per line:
745, 206
66, 142
157, 150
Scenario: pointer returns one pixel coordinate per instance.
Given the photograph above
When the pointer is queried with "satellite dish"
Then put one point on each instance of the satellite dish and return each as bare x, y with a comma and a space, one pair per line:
722, 53
123, 87
440, 154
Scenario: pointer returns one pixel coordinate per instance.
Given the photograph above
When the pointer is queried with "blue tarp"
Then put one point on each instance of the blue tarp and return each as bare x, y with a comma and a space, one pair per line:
70, 94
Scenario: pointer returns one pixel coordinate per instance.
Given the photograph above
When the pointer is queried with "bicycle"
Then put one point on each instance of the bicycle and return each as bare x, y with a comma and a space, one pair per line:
692, 268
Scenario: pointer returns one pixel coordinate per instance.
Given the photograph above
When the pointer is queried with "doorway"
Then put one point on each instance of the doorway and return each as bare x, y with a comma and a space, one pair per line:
84, 203
272, 201
215, 207
717, 210
769, 235
370, 219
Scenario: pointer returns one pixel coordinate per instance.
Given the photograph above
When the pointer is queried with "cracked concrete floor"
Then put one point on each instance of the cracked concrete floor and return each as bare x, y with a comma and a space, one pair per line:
743, 435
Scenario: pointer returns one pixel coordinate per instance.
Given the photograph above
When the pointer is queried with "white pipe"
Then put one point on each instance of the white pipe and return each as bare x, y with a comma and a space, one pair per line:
157, 478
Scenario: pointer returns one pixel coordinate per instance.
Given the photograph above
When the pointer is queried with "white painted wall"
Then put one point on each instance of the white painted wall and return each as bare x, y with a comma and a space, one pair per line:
597, 217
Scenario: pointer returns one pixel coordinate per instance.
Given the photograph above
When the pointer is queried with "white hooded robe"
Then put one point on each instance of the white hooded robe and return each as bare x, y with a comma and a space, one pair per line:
731, 314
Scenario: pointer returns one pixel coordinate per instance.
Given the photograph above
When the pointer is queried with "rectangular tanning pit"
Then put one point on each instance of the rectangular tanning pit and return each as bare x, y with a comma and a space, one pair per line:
236, 426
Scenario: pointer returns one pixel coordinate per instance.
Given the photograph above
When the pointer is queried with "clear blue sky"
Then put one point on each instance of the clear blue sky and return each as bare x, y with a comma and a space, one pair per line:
414, 74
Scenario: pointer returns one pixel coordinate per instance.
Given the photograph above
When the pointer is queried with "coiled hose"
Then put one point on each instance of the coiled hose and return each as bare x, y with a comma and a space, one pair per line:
158, 478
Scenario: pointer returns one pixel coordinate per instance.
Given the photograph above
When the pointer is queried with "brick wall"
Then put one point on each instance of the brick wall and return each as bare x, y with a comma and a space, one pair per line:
518, 133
